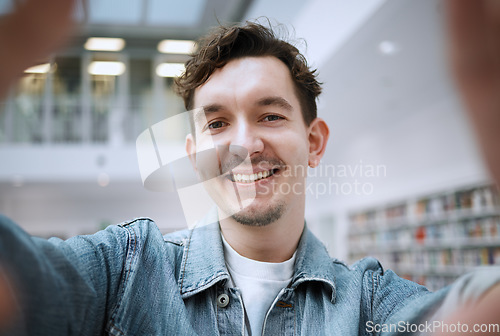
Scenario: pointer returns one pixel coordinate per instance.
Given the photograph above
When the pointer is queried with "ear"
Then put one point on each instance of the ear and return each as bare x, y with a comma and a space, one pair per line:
318, 137
191, 150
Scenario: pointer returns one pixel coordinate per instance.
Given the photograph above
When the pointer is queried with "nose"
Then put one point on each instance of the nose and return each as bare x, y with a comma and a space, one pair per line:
245, 139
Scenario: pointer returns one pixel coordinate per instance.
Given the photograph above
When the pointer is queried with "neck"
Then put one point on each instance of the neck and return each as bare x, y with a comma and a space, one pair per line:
275, 242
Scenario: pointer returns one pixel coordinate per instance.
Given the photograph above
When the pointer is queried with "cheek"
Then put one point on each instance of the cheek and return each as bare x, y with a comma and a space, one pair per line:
293, 148
207, 162
204, 142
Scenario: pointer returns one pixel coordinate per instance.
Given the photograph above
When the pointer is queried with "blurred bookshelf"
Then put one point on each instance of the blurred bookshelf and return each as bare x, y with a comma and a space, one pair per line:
432, 239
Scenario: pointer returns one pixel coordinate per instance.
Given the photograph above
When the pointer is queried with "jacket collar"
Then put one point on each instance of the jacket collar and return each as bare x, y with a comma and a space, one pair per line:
313, 263
203, 264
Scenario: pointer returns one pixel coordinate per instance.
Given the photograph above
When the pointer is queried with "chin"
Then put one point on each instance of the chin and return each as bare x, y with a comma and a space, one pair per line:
259, 217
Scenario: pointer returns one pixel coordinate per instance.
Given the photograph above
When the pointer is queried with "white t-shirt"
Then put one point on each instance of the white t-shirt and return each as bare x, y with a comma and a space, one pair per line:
259, 283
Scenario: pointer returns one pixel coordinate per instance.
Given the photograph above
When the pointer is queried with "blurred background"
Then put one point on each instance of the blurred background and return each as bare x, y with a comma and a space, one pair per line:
402, 178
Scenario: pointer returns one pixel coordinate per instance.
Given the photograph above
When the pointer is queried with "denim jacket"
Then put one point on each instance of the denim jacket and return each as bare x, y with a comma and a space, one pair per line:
130, 280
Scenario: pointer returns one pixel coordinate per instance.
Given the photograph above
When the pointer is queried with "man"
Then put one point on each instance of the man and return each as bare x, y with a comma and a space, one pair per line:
253, 267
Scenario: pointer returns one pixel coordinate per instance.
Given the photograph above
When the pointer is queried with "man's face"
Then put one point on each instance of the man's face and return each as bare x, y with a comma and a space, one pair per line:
250, 113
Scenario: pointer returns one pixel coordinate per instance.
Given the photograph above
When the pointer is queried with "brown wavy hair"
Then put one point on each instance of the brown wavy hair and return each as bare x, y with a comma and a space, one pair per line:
227, 43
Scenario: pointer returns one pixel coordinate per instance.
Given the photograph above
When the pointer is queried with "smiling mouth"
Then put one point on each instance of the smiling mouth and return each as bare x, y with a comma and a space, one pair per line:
251, 178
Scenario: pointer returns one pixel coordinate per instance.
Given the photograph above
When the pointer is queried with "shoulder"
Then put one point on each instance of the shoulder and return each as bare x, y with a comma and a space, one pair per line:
361, 268
178, 238
140, 229
367, 264
377, 278
144, 231
392, 297
143, 224
378, 283
368, 267
364, 274
145, 241
130, 238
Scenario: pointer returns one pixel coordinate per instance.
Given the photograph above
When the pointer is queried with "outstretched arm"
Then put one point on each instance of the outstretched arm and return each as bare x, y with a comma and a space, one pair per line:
29, 34
56, 287
474, 46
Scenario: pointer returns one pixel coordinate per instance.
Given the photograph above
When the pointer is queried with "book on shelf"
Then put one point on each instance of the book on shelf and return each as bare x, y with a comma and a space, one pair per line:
434, 238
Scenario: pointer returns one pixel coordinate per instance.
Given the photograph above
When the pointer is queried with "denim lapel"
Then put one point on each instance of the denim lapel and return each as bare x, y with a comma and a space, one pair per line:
313, 263
203, 263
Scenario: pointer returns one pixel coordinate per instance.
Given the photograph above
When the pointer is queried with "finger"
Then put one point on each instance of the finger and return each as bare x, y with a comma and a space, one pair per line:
492, 9
39, 26
467, 27
7, 302
465, 20
474, 49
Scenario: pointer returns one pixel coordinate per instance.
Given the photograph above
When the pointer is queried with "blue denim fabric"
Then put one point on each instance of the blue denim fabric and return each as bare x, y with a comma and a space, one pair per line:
130, 280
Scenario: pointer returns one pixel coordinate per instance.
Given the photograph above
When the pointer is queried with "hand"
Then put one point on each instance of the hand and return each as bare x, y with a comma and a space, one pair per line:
8, 307
28, 35
474, 36
481, 318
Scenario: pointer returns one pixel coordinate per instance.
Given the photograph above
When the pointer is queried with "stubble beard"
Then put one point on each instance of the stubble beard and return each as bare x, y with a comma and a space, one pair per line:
252, 217
258, 217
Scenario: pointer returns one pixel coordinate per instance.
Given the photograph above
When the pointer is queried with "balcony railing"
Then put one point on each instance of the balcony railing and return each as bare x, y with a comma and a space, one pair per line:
67, 105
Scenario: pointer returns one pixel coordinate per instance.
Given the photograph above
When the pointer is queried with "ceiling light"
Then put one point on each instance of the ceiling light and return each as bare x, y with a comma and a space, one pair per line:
176, 46
17, 181
106, 68
388, 48
104, 44
170, 69
103, 179
41, 68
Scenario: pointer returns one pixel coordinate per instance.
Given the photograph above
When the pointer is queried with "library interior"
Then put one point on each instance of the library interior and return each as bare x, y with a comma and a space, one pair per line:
402, 179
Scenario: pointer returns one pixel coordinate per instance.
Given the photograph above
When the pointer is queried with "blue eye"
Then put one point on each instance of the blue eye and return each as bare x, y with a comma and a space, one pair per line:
216, 124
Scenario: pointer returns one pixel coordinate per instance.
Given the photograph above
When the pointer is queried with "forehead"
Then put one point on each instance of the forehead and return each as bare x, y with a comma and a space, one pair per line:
244, 79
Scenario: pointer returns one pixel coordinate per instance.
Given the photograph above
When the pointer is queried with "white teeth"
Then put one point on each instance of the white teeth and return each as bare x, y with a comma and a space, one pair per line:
252, 177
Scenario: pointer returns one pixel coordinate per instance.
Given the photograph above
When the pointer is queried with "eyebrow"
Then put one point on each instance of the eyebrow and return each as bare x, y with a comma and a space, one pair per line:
207, 109
275, 101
